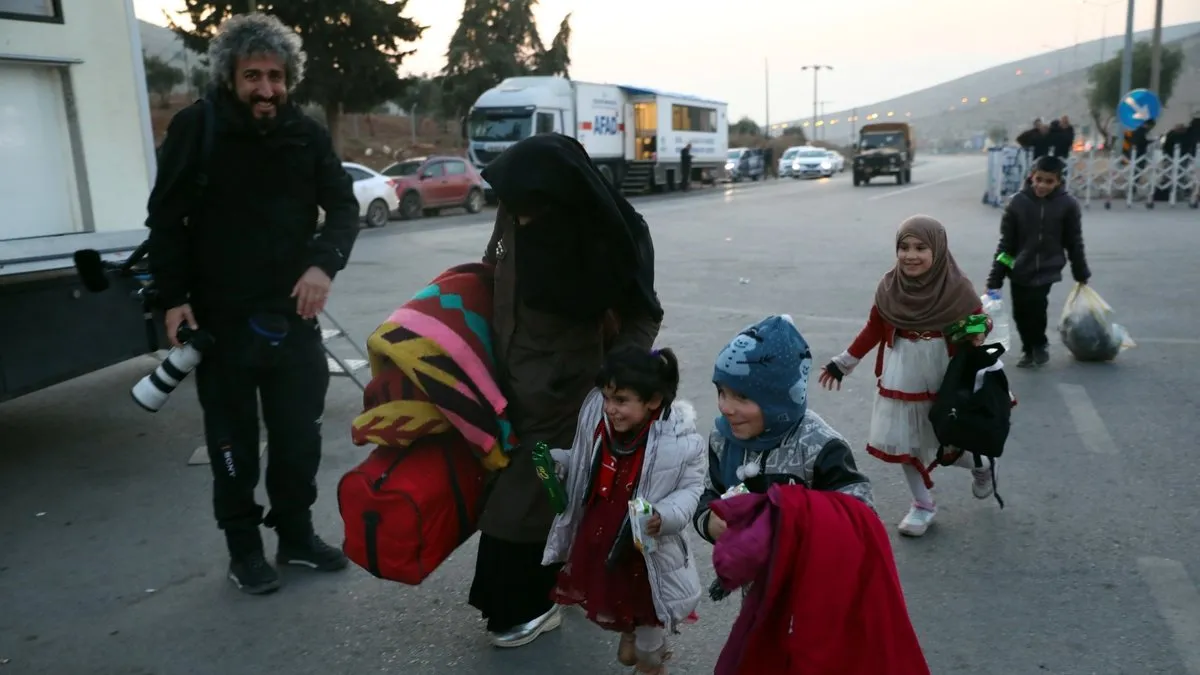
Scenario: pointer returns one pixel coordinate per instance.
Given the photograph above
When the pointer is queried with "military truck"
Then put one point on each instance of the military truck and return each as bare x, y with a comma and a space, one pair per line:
884, 149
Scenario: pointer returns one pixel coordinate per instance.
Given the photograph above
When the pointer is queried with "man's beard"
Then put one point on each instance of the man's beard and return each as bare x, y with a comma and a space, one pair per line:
265, 123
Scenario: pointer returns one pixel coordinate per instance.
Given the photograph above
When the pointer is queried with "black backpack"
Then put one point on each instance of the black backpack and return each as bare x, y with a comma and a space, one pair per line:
969, 420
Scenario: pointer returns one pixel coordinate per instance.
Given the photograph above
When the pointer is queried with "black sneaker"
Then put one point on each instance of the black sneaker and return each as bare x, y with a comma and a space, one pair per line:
1026, 360
252, 574
311, 552
1041, 356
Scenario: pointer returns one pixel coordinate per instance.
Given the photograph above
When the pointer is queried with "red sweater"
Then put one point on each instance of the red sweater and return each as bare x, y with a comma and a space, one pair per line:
879, 333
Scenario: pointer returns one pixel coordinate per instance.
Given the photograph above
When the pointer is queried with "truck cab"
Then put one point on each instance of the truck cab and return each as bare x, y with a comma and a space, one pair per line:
517, 108
884, 149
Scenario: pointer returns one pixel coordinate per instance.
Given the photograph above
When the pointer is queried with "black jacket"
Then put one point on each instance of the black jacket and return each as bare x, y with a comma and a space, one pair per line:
1041, 235
241, 245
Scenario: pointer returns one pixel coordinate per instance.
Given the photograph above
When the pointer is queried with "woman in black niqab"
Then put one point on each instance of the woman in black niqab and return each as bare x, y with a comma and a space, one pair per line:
586, 246
574, 270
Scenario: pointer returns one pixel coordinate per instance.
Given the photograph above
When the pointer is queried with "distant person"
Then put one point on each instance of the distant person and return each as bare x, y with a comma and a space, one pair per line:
246, 262
770, 170
1035, 139
1041, 230
685, 167
1067, 138
1192, 143
1175, 140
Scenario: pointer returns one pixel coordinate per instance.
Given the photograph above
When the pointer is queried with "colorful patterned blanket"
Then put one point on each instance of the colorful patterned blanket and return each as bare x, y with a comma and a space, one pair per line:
433, 370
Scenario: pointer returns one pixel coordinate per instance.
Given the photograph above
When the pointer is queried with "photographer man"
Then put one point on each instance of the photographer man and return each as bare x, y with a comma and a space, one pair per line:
242, 259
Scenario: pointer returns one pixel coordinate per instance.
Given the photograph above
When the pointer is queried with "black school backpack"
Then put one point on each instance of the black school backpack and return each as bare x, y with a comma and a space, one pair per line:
970, 420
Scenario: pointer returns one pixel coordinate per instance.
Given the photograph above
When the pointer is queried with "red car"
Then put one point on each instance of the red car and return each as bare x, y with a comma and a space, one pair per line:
426, 185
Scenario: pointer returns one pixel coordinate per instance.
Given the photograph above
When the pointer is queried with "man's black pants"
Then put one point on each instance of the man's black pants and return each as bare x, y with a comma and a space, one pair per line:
1029, 307
291, 378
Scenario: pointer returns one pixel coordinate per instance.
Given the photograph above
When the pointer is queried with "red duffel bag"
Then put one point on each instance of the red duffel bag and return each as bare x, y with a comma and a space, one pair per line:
406, 510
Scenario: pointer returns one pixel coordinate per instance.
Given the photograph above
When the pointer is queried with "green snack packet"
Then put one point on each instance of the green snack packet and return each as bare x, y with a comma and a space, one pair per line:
976, 324
544, 465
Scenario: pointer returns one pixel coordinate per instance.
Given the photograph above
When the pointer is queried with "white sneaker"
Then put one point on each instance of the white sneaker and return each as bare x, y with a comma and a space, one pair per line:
917, 521
981, 483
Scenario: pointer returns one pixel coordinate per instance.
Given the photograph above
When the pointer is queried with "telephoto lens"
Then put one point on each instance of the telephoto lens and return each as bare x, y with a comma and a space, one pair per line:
152, 391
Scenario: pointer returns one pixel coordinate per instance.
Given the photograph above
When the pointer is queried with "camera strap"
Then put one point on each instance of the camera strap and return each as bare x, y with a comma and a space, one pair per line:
208, 134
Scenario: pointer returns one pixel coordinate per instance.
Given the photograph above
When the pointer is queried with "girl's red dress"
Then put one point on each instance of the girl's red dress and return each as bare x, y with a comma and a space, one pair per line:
619, 599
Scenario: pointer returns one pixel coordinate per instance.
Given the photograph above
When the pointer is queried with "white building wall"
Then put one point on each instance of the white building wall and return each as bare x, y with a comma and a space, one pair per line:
106, 124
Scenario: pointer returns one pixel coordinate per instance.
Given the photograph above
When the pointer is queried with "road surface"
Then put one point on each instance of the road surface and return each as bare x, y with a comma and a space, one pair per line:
110, 562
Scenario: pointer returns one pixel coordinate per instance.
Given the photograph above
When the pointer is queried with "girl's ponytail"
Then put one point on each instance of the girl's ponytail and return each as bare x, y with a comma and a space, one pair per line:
647, 372
668, 374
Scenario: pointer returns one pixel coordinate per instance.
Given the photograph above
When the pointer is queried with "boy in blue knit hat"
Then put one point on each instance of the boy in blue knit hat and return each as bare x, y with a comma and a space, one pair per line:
766, 433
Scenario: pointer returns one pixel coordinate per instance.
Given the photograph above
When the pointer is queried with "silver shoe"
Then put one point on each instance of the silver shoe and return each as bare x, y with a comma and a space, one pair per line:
521, 635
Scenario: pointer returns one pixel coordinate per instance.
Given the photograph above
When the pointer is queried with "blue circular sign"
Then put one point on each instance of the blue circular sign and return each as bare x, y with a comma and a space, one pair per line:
1138, 107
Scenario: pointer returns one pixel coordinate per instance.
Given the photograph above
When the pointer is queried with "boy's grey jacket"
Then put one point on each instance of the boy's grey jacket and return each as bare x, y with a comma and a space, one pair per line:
672, 480
814, 454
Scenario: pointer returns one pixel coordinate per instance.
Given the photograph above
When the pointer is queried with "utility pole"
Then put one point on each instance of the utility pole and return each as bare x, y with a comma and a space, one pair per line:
1156, 49
767, 80
1127, 57
825, 123
817, 68
853, 125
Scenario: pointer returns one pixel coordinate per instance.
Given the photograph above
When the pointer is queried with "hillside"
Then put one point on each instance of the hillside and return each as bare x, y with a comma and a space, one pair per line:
1014, 100
1065, 95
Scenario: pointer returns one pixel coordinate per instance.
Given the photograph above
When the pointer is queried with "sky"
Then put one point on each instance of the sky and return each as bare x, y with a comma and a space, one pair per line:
879, 49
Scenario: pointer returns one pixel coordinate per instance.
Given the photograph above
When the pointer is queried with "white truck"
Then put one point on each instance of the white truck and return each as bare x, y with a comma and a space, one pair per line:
76, 164
634, 135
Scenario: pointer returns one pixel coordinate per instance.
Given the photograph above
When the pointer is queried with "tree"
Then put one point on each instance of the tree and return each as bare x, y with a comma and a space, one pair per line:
1105, 81
199, 79
161, 78
746, 127
498, 39
354, 47
556, 60
798, 132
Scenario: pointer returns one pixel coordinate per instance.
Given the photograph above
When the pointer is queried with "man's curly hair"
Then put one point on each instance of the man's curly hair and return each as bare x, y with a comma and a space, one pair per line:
247, 35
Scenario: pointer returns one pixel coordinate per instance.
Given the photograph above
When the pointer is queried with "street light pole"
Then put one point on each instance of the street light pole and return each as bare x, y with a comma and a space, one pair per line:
767, 113
1127, 57
1156, 49
817, 68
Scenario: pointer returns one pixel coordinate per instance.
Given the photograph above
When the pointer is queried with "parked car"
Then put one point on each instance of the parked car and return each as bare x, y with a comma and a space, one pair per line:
742, 163
426, 185
376, 193
838, 161
811, 162
786, 159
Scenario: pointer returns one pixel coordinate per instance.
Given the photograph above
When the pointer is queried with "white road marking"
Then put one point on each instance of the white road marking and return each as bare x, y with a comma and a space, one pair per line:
1188, 342
922, 186
1087, 421
1178, 603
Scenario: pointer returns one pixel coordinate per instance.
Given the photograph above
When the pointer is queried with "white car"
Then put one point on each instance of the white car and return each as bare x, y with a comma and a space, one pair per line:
376, 193
838, 161
789, 156
812, 162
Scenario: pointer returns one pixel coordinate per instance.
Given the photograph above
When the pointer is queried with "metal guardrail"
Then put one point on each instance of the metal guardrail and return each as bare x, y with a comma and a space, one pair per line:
1103, 177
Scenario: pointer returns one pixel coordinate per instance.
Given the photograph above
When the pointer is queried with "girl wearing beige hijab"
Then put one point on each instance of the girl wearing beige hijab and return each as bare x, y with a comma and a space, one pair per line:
915, 302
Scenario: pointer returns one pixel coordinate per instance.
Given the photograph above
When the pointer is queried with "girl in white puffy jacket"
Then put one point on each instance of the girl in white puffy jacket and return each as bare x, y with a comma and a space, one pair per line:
633, 441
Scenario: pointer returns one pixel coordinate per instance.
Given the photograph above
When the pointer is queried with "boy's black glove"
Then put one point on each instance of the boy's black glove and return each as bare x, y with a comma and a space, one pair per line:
832, 369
